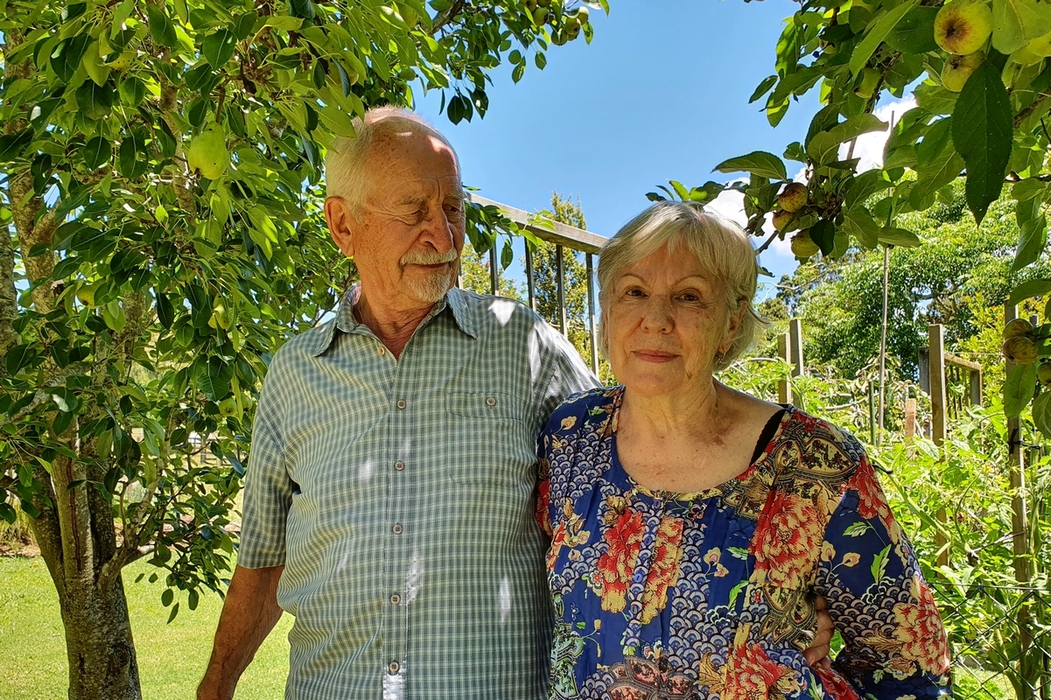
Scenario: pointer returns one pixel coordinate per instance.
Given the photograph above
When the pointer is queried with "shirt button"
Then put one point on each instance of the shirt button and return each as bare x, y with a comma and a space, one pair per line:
490, 402
395, 599
399, 466
393, 667
400, 404
383, 350
396, 529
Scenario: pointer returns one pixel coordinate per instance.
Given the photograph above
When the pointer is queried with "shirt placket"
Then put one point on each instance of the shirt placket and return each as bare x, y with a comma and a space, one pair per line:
399, 527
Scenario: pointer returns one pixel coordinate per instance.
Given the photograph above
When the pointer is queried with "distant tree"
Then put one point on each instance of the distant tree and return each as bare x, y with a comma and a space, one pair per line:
957, 268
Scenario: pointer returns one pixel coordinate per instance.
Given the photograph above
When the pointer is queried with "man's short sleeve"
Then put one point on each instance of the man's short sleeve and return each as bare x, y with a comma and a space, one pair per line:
268, 488
561, 372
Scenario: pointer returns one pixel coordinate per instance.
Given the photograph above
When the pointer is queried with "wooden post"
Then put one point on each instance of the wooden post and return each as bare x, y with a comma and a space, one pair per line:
560, 276
591, 313
939, 407
1016, 472
910, 417
784, 351
795, 334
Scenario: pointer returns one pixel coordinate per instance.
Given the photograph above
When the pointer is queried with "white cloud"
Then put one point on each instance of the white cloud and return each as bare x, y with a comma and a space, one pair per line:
869, 147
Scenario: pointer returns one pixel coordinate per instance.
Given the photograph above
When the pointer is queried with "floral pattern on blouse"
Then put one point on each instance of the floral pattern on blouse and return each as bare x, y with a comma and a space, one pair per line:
662, 596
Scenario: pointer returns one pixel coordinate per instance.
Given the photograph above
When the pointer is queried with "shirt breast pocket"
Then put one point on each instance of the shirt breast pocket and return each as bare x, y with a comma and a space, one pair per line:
490, 440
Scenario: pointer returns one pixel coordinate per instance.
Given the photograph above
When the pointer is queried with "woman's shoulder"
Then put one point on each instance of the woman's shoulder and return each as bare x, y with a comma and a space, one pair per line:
808, 446
584, 408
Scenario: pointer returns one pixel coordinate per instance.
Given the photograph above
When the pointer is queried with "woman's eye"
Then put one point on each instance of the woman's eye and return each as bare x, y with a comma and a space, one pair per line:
633, 292
690, 296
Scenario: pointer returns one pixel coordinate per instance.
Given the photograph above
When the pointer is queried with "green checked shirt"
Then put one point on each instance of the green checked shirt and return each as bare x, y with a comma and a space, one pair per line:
399, 495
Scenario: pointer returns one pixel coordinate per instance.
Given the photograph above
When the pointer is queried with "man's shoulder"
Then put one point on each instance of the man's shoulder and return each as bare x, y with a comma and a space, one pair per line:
492, 313
308, 344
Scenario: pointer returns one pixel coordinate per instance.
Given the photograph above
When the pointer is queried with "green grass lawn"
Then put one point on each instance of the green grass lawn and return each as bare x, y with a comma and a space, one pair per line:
172, 656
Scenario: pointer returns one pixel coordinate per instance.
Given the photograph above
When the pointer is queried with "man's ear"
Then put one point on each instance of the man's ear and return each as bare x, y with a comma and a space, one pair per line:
340, 220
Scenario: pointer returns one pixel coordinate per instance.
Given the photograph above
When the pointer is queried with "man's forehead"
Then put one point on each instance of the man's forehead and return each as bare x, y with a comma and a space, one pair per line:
411, 189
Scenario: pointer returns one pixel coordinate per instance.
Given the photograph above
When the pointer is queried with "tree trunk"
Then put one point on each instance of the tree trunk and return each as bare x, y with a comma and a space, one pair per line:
99, 646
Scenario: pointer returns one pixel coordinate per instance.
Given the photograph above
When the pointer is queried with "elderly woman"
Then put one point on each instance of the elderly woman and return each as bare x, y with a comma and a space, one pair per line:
694, 526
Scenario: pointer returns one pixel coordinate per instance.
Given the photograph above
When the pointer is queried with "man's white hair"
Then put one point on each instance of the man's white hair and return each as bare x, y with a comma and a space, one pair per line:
345, 161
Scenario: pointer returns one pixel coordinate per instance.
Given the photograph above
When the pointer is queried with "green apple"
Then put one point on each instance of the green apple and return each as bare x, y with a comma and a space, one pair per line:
1020, 350
784, 220
958, 69
793, 197
803, 245
1017, 327
208, 153
963, 26
540, 16
572, 28
1043, 374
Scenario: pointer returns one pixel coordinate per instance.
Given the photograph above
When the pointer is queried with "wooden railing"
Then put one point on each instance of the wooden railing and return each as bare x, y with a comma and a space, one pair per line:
562, 236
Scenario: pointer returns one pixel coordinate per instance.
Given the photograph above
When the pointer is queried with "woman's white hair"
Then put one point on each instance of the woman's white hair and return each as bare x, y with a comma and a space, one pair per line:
721, 247
345, 160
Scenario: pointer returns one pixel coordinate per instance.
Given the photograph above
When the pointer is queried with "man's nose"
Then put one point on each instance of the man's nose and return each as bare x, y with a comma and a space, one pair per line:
438, 230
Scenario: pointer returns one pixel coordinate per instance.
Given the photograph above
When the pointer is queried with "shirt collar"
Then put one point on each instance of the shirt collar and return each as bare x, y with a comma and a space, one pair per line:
345, 322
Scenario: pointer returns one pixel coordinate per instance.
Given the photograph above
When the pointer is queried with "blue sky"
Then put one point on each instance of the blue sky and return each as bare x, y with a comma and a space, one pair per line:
660, 93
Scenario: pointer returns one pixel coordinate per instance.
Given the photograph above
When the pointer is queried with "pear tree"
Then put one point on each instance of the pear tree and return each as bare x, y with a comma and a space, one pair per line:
161, 196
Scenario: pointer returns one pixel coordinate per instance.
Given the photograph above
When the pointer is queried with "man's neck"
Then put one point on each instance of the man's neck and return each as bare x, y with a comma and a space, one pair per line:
392, 325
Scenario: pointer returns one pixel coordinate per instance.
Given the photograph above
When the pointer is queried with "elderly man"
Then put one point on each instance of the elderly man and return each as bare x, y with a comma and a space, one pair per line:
389, 495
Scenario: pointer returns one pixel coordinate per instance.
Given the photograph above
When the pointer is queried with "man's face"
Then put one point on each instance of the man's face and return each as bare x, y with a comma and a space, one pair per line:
407, 233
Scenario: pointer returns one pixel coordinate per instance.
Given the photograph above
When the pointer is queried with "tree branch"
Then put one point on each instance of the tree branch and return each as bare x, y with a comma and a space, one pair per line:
1030, 108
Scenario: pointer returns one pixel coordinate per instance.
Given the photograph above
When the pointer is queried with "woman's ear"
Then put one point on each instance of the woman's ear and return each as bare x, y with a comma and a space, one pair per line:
733, 326
340, 220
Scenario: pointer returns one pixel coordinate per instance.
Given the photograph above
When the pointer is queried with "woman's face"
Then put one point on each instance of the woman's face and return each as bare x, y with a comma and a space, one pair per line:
666, 321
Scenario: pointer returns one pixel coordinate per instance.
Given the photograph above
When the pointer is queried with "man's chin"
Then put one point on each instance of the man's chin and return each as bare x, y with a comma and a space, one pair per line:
432, 289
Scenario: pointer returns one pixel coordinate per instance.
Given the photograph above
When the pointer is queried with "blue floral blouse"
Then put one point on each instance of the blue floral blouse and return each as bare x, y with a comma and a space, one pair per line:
663, 595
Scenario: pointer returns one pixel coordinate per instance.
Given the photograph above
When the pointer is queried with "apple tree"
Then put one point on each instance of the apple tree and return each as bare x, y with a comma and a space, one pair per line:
160, 191
981, 76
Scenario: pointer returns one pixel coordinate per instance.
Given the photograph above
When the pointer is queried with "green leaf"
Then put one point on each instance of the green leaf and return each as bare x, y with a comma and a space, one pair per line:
67, 56
763, 88
94, 101
7, 512
915, 32
1016, 22
824, 234
934, 142
1042, 413
758, 163
96, 152
860, 224
877, 33
899, 237
217, 48
1031, 243
945, 168
174, 612
1032, 288
982, 130
824, 146
161, 28
165, 310
1018, 389
935, 99
167, 596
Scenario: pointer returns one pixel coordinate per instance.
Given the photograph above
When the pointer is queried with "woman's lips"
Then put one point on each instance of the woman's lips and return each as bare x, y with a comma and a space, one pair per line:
654, 355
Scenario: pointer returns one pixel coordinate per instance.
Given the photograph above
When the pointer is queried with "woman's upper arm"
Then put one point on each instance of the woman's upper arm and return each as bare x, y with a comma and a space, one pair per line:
895, 643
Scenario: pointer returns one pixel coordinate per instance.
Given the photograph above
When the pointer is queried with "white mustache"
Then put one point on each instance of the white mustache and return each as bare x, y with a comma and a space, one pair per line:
423, 257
